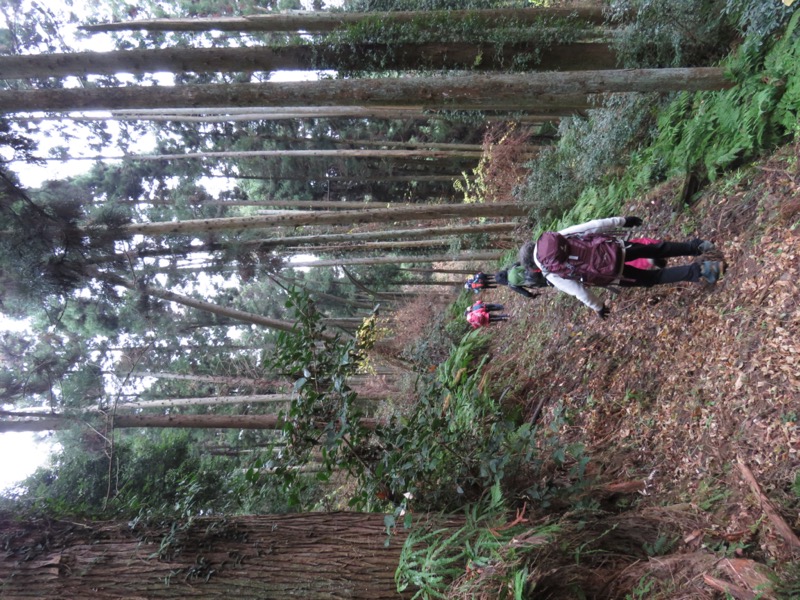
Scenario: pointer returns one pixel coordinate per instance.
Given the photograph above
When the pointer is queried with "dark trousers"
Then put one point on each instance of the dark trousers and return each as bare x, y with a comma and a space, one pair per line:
633, 277
490, 307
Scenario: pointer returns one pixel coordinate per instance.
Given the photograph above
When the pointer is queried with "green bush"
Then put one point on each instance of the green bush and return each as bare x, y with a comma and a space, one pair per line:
758, 20
587, 150
678, 33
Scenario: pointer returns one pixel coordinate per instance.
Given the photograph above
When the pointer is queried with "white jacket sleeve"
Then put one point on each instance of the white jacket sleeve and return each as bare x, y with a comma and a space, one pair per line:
596, 226
577, 289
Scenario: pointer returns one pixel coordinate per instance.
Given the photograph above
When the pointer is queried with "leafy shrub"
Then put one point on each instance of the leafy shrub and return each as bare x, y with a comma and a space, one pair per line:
324, 413
588, 148
707, 132
456, 442
480, 559
712, 131
670, 34
432, 332
757, 20
157, 474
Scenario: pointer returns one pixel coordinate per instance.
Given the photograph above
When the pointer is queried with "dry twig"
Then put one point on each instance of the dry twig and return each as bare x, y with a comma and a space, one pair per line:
778, 522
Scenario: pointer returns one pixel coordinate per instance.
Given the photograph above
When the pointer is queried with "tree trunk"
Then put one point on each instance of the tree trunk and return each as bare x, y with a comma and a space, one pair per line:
222, 311
346, 178
371, 246
314, 556
205, 401
387, 260
306, 57
432, 271
393, 234
563, 92
321, 21
307, 204
314, 240
59, 422
458, 283
388, 215
232, 114
218, 379
215, 421
38, 425
340, 153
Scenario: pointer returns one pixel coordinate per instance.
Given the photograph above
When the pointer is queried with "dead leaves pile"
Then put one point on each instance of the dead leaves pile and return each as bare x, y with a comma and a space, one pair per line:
681, 380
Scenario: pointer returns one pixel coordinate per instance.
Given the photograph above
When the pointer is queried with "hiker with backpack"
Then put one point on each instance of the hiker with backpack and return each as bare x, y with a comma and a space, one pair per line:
518, 279
481, 281
480, 314
591, 255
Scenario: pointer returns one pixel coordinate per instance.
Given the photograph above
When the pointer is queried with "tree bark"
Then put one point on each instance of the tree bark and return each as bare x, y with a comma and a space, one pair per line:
217, 379
386, 260
305, 57
205, 401
315, 240
373, 246
315, 556
563, 92
215, 421
432, 271
320, 22
232, 114
222, 311
305, 204
389, 215
59, 422
393, 234
340, 153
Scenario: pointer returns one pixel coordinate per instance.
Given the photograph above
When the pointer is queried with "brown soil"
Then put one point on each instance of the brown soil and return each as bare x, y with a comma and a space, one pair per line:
683, 381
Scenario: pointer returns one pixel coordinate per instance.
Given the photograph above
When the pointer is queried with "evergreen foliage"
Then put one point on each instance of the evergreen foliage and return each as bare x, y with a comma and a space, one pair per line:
325, 413
586, 151
670, 34
702, 132
388, 38
458, 445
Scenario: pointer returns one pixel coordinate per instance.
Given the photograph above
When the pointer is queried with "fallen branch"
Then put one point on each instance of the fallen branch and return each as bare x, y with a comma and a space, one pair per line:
780, 525
751, 574
623, 487
729, 588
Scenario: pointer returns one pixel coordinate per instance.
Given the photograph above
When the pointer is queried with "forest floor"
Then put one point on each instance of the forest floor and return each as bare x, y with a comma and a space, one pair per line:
682, 383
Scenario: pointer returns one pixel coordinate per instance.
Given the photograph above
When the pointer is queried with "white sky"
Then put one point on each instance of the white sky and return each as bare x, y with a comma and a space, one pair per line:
22, 453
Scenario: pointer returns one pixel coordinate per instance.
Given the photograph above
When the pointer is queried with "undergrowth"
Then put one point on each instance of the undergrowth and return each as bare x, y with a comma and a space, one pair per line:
701, 132
455, 442
582, 178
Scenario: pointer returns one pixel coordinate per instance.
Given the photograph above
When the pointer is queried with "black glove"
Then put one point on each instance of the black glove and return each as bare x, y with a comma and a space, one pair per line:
632, 222
603, 312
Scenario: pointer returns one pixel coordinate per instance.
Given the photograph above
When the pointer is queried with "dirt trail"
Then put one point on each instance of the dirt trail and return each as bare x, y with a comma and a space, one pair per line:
683, 380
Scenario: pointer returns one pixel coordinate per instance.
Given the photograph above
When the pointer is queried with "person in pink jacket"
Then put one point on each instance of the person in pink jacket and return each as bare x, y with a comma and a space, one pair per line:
480, 314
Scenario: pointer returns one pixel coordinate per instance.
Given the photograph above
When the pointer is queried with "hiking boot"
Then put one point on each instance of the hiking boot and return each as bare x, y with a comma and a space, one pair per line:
712, 271
704, 246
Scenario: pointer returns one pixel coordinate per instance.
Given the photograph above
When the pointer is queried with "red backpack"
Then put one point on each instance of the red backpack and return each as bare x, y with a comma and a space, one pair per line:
591, 258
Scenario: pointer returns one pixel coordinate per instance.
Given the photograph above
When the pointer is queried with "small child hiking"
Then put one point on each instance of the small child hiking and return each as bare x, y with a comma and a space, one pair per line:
591, 255
481, 281
518, 279
480, 314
